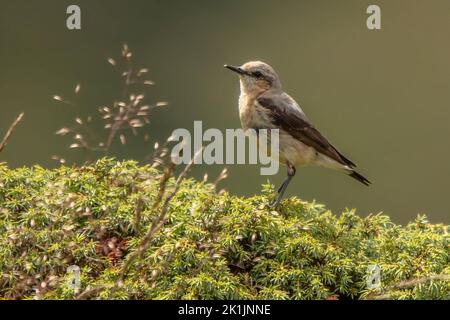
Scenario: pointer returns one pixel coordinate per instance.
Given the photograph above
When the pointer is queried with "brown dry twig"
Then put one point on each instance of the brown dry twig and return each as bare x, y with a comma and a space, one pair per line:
160, 221
10, 131
384, 295
154, 228
90, 292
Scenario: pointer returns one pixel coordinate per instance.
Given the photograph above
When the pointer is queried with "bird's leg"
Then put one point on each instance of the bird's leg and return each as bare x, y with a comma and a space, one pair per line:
283, 187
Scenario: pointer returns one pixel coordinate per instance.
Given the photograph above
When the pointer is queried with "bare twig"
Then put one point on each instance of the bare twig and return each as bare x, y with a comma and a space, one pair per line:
163, 183
384, 295
157, 224
90, 292
10, 130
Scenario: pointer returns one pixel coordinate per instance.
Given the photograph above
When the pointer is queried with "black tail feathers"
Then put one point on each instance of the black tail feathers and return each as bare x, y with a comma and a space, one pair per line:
360, 178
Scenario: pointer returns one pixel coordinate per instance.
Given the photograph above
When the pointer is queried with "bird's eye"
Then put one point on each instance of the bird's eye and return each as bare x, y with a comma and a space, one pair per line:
257, 74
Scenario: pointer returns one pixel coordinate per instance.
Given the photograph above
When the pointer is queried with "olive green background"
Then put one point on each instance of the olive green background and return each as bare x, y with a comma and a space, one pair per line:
382, 97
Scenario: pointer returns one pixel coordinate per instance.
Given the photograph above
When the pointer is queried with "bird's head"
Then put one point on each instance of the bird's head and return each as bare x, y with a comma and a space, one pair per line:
256, 77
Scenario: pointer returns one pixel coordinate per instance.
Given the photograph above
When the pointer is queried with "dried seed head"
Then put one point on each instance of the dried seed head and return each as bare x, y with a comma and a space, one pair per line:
57, 158
77, 88
161, 104
122, 139
142, 71
224, 174
62, 131
125, 50
136, 123
171, 138
157, 162
58, 98
112, 61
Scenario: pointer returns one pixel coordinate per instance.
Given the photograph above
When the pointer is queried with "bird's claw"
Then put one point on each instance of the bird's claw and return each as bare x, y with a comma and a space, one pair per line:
274, 204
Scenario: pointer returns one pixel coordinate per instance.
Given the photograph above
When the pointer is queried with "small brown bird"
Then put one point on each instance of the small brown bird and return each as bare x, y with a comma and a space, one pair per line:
264, 105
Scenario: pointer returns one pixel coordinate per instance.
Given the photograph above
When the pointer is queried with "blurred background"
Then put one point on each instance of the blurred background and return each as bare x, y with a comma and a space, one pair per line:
382, 97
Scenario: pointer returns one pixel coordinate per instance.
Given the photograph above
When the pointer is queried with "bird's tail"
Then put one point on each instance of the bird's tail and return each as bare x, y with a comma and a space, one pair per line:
360, 178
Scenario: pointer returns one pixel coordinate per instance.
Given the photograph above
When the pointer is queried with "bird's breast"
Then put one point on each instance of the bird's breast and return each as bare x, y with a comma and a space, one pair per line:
251, 116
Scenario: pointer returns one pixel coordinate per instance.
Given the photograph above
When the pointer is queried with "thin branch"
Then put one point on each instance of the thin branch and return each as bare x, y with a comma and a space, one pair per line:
384, 295
414, 282
10, 130
158, 223
155, 227
162, 184
138, 215
90, 292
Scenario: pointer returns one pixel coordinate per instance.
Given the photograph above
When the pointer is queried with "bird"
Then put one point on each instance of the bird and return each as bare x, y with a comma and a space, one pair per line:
264, 105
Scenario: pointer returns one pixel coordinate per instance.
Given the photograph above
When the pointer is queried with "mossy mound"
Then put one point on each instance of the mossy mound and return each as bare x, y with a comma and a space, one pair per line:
213, 246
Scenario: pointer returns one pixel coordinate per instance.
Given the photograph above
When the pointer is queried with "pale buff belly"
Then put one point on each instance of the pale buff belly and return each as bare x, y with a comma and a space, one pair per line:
290, 150
295, 152
299, 154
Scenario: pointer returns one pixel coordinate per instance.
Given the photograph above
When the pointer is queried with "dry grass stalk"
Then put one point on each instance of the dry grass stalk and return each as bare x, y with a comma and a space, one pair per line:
10, 131
160, 221
128, 113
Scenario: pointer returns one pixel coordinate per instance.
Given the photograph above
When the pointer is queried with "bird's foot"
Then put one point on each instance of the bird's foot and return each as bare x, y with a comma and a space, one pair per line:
275, 203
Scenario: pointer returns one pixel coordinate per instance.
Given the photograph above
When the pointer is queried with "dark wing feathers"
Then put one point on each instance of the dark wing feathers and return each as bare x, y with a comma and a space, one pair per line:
289, 118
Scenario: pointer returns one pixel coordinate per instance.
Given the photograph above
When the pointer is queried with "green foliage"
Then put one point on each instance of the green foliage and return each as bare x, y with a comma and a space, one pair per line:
213, 246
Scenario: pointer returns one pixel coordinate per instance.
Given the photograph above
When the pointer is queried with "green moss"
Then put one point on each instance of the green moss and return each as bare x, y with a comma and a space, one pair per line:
213, 246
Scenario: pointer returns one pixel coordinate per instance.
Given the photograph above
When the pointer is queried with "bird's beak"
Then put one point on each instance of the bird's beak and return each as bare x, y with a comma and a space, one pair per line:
238, 70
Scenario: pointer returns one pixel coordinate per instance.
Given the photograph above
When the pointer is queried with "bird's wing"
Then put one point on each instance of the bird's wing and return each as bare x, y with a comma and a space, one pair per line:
285, 114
